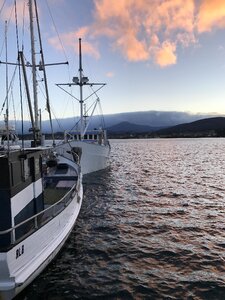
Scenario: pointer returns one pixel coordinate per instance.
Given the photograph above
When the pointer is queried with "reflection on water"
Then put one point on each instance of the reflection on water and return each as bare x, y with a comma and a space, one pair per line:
151, 226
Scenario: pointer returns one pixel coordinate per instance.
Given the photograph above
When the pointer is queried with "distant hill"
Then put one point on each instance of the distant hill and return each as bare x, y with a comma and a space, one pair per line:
158, 119
152, 119
127, 127
205, 127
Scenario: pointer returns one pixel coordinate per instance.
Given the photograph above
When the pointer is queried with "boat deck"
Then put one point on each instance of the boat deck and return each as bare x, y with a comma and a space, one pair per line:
52, 195
58, 182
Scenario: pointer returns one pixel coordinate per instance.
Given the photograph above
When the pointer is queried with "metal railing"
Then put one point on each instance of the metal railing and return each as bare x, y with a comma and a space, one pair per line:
19, 232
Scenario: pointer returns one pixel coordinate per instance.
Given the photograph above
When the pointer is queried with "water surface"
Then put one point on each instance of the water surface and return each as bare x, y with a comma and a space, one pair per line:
152, 226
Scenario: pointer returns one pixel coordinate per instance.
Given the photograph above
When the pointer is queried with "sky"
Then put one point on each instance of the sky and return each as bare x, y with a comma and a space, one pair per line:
153, 54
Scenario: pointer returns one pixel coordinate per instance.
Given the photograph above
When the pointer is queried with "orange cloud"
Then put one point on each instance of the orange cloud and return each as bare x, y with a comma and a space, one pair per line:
110, 74
176, 14
71, 40
139, 28
143, 30
166, 56
211, 15
8, 13
132, 48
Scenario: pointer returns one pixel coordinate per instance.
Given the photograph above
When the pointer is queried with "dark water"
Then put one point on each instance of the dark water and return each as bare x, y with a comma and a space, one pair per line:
152, 226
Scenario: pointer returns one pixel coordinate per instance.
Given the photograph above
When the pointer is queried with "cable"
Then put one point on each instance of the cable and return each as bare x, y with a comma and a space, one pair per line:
20, 80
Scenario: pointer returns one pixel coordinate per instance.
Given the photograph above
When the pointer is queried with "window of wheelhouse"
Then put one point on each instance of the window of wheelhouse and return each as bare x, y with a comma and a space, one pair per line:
26, 168
37, 166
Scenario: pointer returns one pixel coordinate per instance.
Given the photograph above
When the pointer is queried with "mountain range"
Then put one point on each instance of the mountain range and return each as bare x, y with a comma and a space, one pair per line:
142, 121
205, 127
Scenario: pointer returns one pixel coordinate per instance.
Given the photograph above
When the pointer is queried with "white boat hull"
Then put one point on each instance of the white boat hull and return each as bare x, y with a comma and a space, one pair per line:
24, 262
94, 157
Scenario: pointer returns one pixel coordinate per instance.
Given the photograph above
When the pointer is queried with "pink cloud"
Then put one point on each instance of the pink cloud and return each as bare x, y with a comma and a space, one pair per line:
8, 12
110, 74
132, 48
71, 40
211, 15
148, 30
139, 28
166, 56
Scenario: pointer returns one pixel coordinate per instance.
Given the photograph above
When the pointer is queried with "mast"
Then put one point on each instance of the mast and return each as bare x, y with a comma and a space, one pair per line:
7, 85
81, 92
81, 81
42, 67
21, 59
34, 72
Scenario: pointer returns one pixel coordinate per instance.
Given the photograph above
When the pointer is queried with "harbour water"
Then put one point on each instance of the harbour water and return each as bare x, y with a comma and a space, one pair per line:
152, 226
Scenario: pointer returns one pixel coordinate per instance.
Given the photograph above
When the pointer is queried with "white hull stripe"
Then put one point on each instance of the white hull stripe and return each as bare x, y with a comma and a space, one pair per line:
20, 200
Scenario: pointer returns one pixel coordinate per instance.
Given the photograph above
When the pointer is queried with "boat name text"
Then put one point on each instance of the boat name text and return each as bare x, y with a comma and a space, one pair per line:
19, 251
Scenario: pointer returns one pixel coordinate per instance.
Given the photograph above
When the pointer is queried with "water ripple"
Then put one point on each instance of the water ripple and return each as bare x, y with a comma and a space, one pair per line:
151, 227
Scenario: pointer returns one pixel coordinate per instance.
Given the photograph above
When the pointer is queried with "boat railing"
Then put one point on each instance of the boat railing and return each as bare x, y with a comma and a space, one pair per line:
19, 232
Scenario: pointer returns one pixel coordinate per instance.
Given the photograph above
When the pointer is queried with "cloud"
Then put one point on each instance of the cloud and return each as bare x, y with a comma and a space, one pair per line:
110, 74
211, 15
165, 56
148, 30
18, 13
144, 30
140, 30
71, 40
8, 13
132, 48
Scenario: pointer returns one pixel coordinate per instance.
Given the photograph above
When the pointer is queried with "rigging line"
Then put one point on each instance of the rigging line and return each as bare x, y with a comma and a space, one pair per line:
14, 109
0, 14
59, 86
44, 72
56, 30
100, 107
56, 119
20, 79
85, 130
89, 108
64, 51
23, 27
10, 85
17, 34
75, 125
101, 113
9, 19
94, 92
68, 99
2, 7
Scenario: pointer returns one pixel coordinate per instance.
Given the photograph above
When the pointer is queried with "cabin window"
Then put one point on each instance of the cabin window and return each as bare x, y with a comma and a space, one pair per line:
26, 169
85, 136
16, 172
37, 166
95, 136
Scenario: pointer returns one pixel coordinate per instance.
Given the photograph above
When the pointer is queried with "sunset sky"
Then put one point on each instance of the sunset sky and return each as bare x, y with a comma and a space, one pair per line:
154, 55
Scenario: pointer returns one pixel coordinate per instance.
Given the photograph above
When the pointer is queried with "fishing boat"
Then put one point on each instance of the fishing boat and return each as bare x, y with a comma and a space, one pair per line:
40, 191
91, 142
